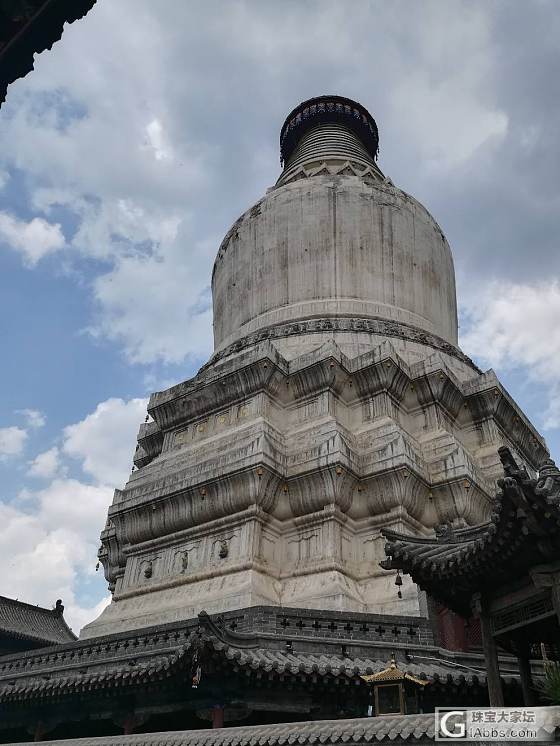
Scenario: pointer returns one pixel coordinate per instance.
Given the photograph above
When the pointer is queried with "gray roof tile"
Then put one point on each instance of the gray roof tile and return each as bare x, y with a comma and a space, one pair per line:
411, 729
34, 623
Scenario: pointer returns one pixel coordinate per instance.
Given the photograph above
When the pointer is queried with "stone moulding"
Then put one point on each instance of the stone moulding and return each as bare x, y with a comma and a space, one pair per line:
484, 398
370, 175
225, 495
304, 523
378, 326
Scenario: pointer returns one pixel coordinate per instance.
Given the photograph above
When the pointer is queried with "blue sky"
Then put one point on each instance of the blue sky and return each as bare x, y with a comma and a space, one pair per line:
144, 133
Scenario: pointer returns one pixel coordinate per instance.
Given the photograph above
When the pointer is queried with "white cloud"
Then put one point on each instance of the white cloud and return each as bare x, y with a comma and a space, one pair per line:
157, 140
456, 117
45, 465
78, 616
71, 505
104, 441
51, 544
34, 417
516, 326
456, 122
12, 441
34, 239
173, 319
138, 152
50, 536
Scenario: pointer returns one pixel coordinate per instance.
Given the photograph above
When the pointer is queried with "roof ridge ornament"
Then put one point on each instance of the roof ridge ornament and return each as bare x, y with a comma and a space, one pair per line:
445, 533
392, 673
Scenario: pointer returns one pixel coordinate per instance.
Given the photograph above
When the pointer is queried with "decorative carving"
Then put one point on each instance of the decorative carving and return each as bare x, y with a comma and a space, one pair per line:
111, 556
148, 569
224, 549
181, 436
304, 548
381, 327
444, 533
370, 175
548, 482
511, 467
318, 489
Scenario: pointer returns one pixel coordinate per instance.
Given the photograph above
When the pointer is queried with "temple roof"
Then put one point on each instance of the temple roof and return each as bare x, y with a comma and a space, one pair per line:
167, 653
23, 621
28, 27
417, 729
392, 674
523, 532
312, 665
57, 677
413, 729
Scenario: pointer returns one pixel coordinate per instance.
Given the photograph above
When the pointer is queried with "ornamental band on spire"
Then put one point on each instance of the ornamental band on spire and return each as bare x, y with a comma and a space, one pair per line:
323, 110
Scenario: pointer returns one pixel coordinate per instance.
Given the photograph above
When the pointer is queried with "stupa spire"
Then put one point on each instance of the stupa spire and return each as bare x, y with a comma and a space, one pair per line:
328, 131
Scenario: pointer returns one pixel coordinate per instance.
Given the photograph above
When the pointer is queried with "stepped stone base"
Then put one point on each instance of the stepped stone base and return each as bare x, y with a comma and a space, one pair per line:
329, 591
267, 480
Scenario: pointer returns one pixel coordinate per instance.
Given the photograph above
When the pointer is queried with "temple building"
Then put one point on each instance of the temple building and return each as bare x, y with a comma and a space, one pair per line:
336, 419
26, 627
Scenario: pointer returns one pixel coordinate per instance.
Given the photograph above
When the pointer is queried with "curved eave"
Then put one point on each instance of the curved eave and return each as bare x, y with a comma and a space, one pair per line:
452, 568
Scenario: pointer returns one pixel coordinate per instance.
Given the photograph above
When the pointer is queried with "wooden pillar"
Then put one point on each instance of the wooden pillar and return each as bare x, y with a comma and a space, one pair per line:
217, 716
495, 691
526, 680
555, 593
548, 576
40, 731
129, 725
130, 722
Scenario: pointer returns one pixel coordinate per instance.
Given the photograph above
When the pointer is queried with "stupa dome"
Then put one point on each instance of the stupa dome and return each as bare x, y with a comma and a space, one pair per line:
334, 239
